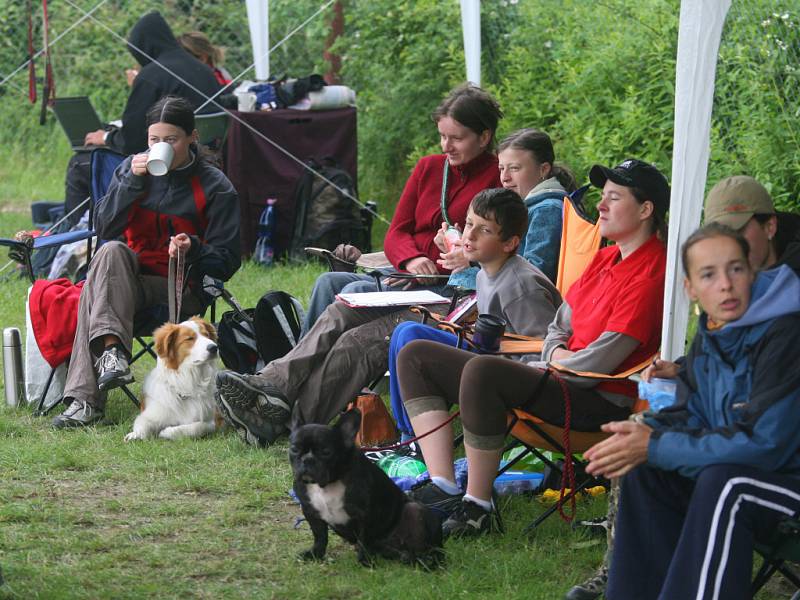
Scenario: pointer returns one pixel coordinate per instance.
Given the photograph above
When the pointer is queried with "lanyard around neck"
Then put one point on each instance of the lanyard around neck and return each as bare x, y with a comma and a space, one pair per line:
444, 192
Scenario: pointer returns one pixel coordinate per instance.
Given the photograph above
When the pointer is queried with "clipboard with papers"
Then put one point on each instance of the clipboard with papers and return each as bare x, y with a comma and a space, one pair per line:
386, 299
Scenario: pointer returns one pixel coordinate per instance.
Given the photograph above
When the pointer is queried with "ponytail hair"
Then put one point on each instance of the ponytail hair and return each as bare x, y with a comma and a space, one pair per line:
177, 111
539, 144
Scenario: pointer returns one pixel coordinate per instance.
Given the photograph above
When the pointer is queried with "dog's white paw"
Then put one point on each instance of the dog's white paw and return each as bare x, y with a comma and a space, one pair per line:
133, 436
169, 433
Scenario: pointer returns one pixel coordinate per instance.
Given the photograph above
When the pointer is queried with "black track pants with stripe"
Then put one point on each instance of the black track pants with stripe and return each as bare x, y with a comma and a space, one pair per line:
685, 539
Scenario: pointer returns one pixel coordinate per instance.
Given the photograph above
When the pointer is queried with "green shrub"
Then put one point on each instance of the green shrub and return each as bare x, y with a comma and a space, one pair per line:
599, 77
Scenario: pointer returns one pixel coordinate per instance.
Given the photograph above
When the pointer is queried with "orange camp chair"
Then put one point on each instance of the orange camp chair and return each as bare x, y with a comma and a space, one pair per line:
580, 241
536, 435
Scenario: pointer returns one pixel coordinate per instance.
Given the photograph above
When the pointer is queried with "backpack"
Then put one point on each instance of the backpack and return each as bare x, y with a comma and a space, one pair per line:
377, 426
249, 340
236, 339
324, 216
278, 323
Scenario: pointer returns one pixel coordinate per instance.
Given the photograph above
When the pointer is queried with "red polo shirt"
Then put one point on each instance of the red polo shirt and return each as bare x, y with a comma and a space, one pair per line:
623, 296
418, 215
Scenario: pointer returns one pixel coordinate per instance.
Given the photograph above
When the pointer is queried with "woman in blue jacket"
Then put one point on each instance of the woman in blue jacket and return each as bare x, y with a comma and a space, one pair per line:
528, 166
718, 470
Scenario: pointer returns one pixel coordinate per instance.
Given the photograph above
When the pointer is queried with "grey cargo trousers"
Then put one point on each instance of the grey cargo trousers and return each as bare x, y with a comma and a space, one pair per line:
345, 350
114, 292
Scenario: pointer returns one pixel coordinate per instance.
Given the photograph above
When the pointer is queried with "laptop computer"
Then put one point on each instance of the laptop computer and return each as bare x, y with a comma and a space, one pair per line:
77, 118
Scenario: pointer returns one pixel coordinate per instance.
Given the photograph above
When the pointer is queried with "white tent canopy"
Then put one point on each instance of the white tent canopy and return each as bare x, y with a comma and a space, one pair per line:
258, 19
471, 29
698, 44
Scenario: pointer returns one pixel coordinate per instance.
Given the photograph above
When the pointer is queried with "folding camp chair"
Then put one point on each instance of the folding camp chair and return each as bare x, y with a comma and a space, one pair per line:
103, 164
536, 435
783, 547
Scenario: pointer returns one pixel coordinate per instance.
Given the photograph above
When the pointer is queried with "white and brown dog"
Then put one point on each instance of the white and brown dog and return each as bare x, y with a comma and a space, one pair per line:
178, 394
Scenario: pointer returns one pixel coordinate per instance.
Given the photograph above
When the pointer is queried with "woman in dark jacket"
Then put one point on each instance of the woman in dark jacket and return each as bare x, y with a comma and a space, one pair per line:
191, 210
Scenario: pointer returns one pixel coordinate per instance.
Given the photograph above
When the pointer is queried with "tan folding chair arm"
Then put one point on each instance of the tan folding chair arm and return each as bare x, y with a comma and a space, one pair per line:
373, 260
453, 328
426, 314
603, 376
519, 344
334, 262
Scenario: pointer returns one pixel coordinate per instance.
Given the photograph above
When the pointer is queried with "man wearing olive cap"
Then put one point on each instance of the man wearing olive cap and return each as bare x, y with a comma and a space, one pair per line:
743, 204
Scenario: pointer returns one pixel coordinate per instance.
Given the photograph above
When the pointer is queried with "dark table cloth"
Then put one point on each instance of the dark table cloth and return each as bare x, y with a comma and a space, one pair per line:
260, 170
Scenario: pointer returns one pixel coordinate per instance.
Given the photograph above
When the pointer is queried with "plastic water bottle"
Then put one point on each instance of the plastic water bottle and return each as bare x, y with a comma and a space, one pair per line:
659, 393
451, 236
265, 252
517, 482
395, 465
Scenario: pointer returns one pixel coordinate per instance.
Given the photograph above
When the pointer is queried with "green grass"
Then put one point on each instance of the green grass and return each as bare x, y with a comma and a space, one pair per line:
85, 515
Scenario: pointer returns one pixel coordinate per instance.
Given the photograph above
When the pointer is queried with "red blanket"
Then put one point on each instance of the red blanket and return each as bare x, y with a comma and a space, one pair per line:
54, 317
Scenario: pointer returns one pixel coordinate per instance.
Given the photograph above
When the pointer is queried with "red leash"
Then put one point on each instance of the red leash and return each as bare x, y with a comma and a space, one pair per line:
49, 92
412, 440
568, 475
31, 52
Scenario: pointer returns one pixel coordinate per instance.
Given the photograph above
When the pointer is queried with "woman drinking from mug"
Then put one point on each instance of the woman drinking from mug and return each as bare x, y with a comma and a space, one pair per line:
610, 320
192, 210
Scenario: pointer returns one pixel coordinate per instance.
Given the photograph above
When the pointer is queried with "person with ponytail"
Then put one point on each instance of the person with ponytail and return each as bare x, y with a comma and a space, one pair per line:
528, 166
193, 210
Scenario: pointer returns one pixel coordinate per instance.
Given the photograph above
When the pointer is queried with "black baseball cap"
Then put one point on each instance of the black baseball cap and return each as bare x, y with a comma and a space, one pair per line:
632, 172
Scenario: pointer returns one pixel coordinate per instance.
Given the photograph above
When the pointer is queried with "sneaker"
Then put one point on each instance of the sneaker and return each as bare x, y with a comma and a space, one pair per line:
471, 520
78, 414
597, 526
256, 409
113, 370
592, 588
435, 498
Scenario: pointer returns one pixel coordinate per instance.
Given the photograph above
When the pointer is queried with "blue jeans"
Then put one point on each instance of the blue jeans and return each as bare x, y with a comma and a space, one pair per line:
402, 335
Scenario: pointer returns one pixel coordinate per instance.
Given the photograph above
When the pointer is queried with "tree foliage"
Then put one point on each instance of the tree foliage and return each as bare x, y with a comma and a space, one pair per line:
598, 76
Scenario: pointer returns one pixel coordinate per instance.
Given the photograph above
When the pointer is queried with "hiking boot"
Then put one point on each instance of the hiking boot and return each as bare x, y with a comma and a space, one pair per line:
256, 409
113, 370
471, 520
78, 414
592, 588
435, 498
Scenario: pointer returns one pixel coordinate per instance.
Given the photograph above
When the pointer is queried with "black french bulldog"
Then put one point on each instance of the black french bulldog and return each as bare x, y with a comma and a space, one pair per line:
339, 487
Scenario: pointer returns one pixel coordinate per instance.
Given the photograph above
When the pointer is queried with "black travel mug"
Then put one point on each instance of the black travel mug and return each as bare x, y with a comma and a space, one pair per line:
488, 331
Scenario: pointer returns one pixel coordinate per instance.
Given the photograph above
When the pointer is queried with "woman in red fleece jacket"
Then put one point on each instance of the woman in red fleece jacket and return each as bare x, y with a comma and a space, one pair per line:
467, 120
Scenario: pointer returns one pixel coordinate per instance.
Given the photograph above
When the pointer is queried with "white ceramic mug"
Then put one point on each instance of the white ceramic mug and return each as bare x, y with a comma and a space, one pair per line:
246, 101
159, 160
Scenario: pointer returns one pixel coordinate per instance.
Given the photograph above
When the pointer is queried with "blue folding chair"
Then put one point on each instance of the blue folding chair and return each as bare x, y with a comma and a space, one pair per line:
103, 164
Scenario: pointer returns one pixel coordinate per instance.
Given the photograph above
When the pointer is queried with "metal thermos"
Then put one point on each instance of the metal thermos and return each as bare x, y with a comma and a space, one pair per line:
13, 380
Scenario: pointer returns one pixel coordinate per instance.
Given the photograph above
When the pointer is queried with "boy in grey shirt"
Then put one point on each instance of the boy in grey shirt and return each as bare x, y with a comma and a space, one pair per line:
508, 286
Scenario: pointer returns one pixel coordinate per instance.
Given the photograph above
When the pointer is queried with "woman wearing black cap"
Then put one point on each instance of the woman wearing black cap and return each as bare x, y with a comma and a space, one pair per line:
610, 321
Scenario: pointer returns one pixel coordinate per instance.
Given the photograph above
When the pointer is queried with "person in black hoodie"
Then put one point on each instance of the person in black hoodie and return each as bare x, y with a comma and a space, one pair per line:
167, 69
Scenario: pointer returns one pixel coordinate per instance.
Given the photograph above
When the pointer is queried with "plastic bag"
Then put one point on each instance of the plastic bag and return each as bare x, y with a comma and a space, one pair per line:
37, 369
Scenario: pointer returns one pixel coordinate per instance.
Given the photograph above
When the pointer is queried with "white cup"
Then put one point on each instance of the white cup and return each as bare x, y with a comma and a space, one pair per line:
159, 160
246, 101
